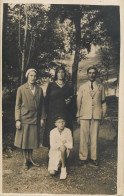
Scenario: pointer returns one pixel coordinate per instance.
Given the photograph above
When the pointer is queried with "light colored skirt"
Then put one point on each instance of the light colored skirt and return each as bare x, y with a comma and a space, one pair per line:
28, 137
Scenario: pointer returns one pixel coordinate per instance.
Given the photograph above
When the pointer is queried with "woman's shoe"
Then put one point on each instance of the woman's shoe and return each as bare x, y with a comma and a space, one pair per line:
25, 166
31, 162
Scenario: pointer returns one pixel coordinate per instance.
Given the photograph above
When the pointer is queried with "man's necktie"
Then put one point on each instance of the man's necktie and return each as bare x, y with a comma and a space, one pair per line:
92, 85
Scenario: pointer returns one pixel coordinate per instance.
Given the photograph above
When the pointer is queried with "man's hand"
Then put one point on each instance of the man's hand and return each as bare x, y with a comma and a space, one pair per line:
78, 120
18, 124
104, 109
42, 123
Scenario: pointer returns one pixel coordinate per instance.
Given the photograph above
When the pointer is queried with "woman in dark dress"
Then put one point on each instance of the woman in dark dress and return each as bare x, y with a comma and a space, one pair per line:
58, 101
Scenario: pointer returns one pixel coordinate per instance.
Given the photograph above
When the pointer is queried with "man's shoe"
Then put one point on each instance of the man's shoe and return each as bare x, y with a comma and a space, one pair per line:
94, 162
83, 162
63, 174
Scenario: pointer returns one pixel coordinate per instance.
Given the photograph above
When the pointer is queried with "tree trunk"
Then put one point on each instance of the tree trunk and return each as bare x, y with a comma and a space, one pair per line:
22, 68
19, 37
75, 68
24, 46
4, 32
29, 53
77, 23
5, 16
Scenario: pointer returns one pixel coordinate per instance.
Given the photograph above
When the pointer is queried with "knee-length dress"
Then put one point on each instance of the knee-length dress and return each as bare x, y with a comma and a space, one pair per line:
29, 110
55, 104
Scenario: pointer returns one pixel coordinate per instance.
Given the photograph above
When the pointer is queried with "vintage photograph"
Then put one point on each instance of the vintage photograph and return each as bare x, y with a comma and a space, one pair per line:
60, 97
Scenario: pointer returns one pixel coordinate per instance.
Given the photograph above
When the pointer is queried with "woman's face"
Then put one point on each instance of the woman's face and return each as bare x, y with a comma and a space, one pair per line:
32, 77
60, 74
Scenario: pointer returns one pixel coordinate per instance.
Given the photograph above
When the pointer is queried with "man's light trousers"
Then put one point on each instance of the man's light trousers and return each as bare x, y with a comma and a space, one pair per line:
88, 137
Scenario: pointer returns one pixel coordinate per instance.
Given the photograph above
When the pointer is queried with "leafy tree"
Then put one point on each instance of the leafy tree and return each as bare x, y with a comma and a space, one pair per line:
30, 40
90, 25
37, 37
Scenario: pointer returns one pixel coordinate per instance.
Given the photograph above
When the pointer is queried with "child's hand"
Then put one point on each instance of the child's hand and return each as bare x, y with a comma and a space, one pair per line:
64, 141
62, 148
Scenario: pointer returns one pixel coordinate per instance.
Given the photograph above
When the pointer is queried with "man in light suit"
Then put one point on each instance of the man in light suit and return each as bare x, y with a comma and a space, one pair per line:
91, 107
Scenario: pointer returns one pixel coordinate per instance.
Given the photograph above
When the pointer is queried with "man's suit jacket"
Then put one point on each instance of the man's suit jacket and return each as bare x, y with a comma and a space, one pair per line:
89, 102
29, 108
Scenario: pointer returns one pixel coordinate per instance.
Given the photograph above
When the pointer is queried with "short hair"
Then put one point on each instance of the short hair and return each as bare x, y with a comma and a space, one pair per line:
57, 70
92, 68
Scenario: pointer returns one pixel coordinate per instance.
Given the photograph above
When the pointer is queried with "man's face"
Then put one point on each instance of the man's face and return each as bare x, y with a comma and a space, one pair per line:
32, 77
60, 124
92, 75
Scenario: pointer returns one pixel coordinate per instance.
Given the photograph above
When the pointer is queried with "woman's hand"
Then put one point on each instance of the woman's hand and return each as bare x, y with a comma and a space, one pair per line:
42, 123
18, 124
67, 101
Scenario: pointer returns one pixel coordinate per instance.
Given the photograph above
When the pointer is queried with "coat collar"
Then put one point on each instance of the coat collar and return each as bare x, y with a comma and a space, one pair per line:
29, 90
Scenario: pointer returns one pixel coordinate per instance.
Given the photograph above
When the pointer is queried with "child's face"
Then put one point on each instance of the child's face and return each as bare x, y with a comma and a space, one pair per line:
60, 124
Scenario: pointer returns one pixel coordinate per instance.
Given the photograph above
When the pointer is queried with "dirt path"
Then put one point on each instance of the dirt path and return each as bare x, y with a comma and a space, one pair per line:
80, 180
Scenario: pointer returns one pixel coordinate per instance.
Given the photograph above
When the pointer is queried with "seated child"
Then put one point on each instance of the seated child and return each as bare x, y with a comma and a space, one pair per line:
60, 144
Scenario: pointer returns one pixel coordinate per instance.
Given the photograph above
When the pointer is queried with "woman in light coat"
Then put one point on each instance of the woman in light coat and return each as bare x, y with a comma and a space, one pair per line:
29, 116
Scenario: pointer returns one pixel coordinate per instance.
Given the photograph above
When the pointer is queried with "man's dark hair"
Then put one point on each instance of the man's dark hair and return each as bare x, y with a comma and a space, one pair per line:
92, 68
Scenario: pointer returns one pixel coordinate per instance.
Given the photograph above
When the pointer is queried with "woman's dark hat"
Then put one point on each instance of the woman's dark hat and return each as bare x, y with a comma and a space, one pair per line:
59, 116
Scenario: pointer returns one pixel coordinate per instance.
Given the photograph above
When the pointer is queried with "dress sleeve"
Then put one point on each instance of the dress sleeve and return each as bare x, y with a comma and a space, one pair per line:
18, 105
69, 91
47, 97
79, 101
42, 105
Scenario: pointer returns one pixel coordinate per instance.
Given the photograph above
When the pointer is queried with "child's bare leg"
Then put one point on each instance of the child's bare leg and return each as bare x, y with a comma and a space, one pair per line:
63, 174
63, 157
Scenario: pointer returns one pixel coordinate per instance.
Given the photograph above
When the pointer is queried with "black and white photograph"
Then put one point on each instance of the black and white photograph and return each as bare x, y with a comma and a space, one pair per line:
61, 113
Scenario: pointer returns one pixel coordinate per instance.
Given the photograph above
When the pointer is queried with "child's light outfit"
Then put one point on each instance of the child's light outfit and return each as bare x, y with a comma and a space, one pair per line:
63, 174
56, 139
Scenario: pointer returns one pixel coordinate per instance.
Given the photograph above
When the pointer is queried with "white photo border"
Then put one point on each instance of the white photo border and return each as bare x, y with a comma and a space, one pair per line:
120, 3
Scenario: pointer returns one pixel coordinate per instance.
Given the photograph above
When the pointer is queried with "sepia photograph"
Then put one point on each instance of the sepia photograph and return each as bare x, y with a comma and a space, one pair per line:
61, 114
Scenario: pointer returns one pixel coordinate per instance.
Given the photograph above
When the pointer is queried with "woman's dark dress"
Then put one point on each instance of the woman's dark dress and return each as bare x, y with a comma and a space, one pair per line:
55, 105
